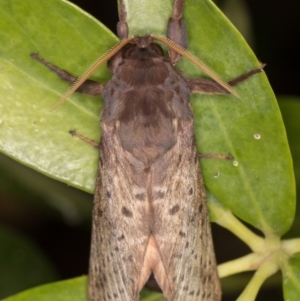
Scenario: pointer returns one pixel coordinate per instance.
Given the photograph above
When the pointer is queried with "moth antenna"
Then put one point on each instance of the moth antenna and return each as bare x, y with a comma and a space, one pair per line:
180, 50
103, 58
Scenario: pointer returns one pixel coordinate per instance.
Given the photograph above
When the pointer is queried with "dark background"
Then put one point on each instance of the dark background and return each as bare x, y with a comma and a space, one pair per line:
274, 37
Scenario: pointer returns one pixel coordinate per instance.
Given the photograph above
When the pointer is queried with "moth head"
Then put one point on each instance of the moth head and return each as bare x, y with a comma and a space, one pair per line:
141, 45
141, 48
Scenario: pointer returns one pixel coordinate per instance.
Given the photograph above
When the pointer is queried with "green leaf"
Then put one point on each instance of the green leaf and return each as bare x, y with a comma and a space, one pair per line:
22, 265
146, 295
29, 132
291, 278
68, 290
260, 189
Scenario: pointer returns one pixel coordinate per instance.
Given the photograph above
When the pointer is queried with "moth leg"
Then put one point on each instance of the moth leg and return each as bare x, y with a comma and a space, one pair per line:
89, 87
215, 156
176, 30
205, 86
122, 26
246, 75
85, 139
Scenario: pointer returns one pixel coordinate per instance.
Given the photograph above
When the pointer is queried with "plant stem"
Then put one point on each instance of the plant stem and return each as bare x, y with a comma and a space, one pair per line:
267, 269
291, 246
249, 262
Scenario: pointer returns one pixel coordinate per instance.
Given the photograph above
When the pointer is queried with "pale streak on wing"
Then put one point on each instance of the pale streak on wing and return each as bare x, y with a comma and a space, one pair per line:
182, 233
120, 234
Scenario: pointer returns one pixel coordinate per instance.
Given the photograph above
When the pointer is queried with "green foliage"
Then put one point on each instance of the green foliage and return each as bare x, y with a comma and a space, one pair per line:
258, 186
291, 278
68, 290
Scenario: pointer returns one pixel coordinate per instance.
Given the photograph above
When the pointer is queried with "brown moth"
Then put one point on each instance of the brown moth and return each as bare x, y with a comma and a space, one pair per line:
150, 213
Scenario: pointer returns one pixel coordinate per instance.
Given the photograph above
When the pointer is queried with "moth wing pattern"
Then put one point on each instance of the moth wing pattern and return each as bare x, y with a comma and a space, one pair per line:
119, 238
182, 226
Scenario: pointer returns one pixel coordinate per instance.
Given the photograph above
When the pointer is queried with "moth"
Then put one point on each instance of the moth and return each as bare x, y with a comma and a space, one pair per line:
150, 213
